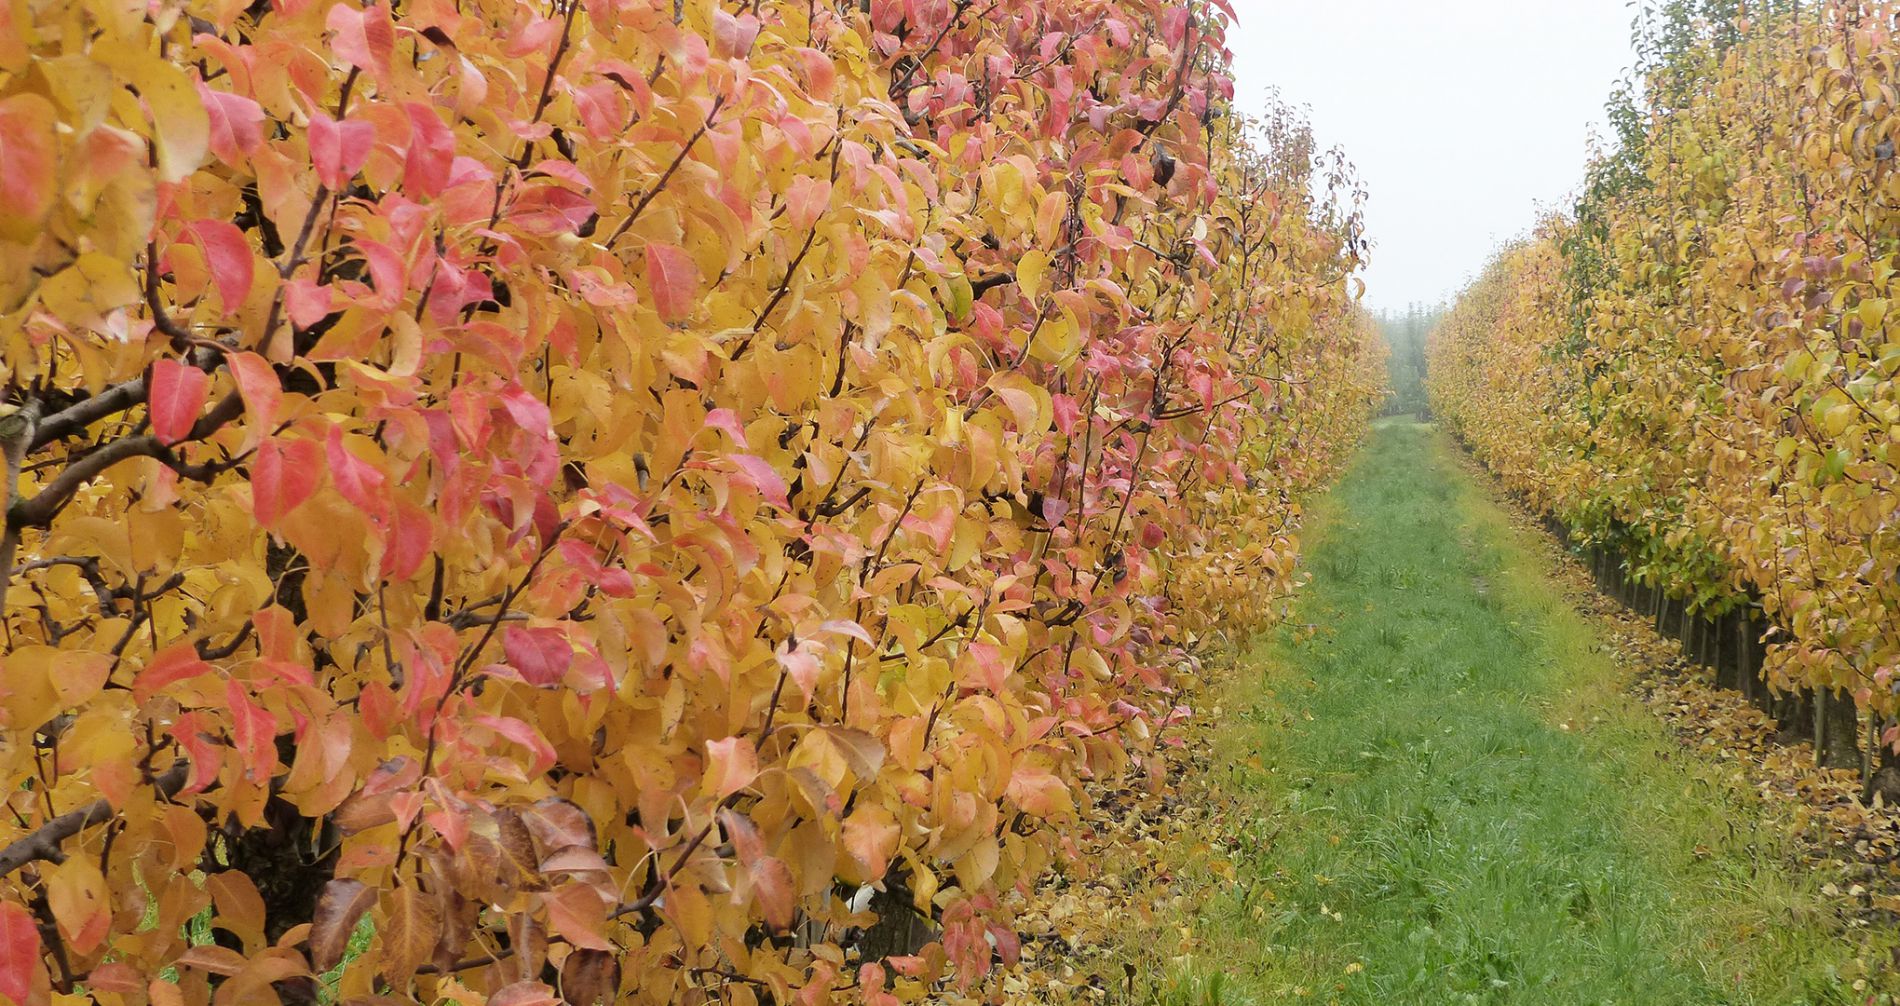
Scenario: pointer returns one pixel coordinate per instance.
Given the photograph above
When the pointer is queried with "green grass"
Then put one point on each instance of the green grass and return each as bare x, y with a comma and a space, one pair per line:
1454, 803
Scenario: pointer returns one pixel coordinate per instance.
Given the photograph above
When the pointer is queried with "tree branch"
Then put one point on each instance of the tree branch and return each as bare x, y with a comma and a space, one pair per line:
43, 843
76, 417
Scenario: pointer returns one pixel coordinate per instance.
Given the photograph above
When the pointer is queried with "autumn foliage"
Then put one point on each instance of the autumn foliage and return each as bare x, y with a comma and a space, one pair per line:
524, 503
1703, 372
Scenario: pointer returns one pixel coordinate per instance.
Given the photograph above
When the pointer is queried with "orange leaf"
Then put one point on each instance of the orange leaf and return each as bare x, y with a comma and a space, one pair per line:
524, 994
76, 891
214, 959
775, 890
731, 765
578, 914
29, 147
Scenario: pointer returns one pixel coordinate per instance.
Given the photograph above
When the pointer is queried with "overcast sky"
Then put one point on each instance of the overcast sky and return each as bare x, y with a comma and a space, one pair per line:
1463, 116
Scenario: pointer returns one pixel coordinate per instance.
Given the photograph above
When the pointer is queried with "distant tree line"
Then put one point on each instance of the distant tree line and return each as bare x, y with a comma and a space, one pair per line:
1405, 333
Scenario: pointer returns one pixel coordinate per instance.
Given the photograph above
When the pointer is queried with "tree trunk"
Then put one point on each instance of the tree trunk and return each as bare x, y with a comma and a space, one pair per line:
1836, 729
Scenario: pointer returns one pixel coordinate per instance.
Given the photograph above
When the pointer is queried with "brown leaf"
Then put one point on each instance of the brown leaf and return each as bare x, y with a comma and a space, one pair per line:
409, 934
589, 977
458, 924
339, 908
558, 824
363, 811
478, 866
520, 868
370, 806
530, 943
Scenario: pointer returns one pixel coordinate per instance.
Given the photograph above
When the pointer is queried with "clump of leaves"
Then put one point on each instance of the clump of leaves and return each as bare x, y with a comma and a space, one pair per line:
596, 487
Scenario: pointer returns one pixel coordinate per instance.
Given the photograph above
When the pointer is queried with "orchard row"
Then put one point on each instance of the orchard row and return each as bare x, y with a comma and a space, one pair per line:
596, 500
1698, 367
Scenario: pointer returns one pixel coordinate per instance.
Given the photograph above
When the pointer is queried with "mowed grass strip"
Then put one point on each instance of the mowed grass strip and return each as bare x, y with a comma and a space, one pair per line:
1453, 802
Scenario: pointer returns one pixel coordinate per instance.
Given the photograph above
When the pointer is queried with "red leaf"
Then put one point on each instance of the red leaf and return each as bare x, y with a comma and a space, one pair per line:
431, 151
1038, 791
939, 527
258, 385
228, 256
411, 535
19, 951
727, 420
386, 273
870, 837
255, 731
177, 662
365, 38
542, 656
538, 33
284, 475
764, 478
237, 123
338, 150
733, 36
192, 734
306, 302
175, 395
213, 959
559, 824
359, 481
29, 146
524, 735
550, 208
674, 279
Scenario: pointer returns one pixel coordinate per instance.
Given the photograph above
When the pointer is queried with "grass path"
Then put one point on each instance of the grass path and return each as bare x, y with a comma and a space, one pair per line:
1452, 802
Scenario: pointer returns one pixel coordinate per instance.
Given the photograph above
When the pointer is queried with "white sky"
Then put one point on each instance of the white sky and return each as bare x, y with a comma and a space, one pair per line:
1463, 116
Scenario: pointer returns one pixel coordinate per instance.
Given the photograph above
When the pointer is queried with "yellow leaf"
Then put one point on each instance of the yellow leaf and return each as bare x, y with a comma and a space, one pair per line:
93, 286
76, 891
1059, 341
1030, 270
180, 127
